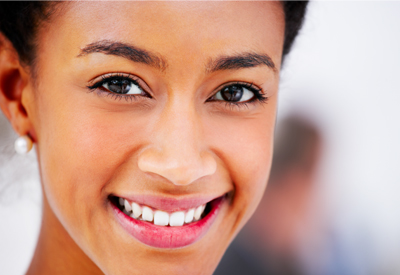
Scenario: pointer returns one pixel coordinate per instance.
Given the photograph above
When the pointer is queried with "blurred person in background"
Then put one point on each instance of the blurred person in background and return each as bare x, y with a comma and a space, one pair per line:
271, 241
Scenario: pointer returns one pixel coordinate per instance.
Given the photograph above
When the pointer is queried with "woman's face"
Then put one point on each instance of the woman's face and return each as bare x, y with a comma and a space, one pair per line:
169, 105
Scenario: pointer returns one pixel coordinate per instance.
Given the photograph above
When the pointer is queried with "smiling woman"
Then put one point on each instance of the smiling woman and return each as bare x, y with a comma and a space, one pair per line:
152, 123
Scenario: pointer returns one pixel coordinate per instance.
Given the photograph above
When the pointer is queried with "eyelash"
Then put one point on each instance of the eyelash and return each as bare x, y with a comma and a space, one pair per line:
259, 95
97, 86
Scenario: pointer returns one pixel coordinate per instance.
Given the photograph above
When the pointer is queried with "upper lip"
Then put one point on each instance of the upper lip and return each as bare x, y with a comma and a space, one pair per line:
169, 204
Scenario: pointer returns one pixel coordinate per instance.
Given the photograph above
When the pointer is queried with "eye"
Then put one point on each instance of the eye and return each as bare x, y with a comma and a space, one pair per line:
122, 86
234, 93
238, 93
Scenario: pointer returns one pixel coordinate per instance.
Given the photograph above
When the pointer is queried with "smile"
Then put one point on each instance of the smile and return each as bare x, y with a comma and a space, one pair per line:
159, 217
162, 228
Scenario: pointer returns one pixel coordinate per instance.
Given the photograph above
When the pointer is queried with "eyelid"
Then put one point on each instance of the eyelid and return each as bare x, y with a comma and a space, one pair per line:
251, 86
98, 81
256, 89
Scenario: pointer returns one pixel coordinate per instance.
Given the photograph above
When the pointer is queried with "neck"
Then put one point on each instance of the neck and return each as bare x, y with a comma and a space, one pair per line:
56, 252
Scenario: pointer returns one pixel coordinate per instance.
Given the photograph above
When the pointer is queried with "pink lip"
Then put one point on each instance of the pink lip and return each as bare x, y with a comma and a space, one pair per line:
169, 204
166, 236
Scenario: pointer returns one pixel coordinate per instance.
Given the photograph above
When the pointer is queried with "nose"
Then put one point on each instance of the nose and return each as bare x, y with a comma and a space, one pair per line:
177, 151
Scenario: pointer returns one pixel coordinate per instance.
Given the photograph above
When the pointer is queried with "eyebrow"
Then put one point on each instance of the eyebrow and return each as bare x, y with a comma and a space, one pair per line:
135, 54
241, 61
124, 50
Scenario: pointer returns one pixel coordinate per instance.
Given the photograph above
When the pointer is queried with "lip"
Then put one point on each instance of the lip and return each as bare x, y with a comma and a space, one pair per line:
167, 236
168, 204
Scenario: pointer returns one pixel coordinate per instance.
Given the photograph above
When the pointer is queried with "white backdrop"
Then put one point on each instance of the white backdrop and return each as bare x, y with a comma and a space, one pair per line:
343, 74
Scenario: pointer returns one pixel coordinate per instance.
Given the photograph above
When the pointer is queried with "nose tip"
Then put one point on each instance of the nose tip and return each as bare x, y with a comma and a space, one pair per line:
179, 169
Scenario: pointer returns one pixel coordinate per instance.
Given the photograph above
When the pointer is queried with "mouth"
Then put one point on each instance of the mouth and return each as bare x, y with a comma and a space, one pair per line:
161, 227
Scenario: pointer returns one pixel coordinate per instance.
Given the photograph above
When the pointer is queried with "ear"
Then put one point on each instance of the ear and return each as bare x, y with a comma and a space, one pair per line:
14, 87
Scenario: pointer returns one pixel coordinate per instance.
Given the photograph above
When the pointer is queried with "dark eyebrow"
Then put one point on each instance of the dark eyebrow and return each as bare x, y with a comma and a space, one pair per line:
125, 50
245, 60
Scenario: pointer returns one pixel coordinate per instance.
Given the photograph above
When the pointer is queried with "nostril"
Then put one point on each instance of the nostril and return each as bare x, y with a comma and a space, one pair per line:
178, 169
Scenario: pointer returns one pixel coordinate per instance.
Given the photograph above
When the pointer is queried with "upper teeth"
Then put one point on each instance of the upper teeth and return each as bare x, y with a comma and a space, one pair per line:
159, 217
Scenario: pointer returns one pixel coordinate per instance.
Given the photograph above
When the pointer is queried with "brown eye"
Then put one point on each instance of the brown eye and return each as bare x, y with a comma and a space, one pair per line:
122, 86
119, 86
234, 93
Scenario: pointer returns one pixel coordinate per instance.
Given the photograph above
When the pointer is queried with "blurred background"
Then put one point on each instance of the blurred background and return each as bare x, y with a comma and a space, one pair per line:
331, 206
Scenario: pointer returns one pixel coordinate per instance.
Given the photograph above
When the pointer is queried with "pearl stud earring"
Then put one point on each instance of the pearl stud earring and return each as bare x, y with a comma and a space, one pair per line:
23, 144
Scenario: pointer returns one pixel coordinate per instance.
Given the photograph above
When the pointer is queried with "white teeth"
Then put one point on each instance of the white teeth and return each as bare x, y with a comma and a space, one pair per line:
136, 209
197, 213
177, 218
127, 205
161, 218
147, 214
189, 216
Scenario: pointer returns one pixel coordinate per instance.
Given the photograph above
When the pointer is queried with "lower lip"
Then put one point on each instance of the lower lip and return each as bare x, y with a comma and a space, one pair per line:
168, 236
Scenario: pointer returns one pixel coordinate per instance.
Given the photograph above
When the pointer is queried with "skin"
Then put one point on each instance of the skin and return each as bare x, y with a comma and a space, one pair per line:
176, 144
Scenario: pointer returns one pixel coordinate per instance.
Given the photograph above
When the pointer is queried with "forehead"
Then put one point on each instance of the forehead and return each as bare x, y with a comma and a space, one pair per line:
177, 30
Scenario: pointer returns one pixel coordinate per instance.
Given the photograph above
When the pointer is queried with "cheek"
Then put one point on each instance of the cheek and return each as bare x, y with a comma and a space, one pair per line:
80, 150
246, 148
250, 170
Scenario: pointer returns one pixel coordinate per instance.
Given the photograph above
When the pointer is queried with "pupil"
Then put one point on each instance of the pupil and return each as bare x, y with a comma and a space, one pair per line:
119, 86
232, 93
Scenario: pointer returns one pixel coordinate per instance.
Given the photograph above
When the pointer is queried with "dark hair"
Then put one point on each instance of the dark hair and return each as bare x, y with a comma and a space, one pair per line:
294, 17
19, 22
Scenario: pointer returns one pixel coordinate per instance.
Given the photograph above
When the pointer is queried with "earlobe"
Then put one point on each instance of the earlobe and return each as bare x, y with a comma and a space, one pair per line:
13, 83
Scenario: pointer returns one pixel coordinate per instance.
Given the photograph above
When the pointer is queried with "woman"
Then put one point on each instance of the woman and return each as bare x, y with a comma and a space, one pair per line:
153, 125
